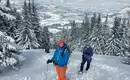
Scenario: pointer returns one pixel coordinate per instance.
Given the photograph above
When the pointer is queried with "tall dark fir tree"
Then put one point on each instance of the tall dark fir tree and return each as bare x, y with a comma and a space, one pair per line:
93, 22
85, 29
46, 39
104, 35
124, 34
12, 27
36, 22
27, 37
114, 43
73, 35
96, 34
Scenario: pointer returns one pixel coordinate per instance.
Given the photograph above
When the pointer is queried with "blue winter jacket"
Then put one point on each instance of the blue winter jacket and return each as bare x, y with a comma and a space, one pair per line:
88, 53
61, 60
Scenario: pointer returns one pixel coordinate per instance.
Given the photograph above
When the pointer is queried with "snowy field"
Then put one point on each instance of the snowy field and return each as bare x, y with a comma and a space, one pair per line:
35, 68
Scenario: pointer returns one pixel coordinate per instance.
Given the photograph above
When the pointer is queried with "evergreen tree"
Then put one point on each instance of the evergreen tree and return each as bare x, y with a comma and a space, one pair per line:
36, 22
93, 22
104, 35
35, 17
124, 38
55, 45
64, 34
73, 36
8, 3
5, 17
29, 8
128, 26
11, 31
25, 10
85, 27
96, 36
18, 22
46, 39
113, 46
9, 52
12, 28
27, 37
19, 25
73, 30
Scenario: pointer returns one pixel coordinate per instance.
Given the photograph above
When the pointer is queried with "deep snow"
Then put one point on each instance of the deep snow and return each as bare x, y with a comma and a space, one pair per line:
35, 68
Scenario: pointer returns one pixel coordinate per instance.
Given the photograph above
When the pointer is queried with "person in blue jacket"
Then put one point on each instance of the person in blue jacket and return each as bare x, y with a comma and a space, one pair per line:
86, 57
60, 59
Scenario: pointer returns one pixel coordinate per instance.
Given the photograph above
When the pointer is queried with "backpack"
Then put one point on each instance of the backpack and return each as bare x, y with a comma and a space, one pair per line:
64, 51
88, 51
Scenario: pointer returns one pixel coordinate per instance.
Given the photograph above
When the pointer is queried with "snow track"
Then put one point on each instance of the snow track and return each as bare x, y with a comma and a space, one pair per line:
35, 68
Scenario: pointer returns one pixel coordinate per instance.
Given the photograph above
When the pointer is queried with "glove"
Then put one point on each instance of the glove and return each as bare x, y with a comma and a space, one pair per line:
49, 61
55, 63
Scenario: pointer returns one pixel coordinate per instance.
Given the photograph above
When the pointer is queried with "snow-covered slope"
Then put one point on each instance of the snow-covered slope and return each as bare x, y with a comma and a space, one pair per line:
35, 68
125, 13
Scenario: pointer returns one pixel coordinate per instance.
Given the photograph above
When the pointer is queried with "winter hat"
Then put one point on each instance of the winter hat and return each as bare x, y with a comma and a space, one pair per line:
61, 41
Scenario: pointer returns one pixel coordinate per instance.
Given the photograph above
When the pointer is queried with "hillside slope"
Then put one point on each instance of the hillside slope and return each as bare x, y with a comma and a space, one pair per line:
35, 68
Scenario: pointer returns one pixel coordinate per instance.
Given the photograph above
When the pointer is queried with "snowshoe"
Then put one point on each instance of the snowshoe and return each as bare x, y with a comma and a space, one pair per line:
80, 72
126, 61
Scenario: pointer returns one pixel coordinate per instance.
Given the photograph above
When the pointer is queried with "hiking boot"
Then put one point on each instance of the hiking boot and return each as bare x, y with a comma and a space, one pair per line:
80, 72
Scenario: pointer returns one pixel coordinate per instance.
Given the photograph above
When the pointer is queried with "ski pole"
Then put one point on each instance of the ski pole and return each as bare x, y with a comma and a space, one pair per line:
47, 72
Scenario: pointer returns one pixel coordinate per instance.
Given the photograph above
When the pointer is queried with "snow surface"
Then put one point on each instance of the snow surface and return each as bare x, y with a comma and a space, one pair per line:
35, 68
124, 12
54, 30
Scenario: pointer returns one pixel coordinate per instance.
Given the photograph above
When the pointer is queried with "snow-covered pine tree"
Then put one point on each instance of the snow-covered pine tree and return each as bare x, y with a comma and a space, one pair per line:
46, 39
104, 35
29, 7
11, 31
124, 38
12, 28
93, 22
128, 26
73, 38
55, 45
114, 44
18, 21
85, 28
36, 22
65, 34
106, 27
9, 52
96, 36
5, 17
27, 37
35, 17
19, 25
